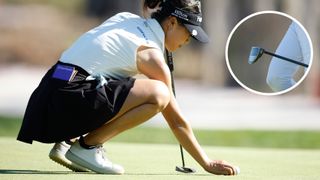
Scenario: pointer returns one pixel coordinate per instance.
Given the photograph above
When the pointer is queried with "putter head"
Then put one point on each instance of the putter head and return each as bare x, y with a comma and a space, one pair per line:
255, 54
185, 169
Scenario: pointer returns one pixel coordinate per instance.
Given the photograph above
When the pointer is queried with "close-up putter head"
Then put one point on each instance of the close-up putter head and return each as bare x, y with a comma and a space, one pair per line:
255, 54
185, 169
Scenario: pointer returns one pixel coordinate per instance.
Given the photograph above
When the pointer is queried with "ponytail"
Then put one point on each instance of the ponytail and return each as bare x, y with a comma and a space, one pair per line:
151, 3
150, 7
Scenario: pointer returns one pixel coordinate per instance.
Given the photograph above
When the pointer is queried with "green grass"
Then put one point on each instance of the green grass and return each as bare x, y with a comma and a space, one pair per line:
9, 127
157, 161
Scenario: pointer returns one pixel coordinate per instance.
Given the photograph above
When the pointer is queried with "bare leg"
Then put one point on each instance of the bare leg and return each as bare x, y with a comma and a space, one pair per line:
146, 98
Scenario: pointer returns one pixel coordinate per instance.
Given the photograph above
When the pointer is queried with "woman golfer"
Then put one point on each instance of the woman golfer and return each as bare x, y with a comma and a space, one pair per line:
294, 45
90, 93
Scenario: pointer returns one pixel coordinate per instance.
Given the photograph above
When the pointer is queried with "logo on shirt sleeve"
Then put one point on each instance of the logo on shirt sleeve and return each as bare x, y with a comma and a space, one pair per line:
143, 34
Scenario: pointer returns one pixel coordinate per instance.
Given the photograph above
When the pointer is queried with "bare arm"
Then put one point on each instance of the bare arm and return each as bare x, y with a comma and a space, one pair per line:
152, 64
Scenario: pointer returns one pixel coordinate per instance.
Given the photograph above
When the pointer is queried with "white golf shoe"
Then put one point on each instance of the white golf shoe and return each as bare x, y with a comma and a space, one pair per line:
57, 154
93, 159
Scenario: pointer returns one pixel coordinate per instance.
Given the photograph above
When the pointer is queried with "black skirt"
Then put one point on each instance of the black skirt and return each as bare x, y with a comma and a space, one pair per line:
59, 109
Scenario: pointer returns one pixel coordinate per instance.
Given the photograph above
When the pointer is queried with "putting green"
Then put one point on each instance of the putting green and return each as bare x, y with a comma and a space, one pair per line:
153, 161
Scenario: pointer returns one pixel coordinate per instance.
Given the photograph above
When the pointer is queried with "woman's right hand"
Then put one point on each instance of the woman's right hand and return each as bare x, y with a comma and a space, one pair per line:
220, 167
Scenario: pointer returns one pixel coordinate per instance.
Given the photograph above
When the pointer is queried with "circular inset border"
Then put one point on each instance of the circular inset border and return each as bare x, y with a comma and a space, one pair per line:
263, 93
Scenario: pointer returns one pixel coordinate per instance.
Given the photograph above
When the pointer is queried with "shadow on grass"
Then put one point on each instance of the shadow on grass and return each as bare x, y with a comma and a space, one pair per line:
24, 172
165, 174
20, 171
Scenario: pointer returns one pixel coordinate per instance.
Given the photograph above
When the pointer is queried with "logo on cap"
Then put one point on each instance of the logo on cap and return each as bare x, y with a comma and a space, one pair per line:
194, 32
199, 19
181, 14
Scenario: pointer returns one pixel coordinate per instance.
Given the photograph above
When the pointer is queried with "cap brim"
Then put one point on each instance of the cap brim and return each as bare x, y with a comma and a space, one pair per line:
198, 33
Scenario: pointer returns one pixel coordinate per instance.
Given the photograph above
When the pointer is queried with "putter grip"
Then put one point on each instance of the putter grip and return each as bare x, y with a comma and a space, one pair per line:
170, 60
171, 67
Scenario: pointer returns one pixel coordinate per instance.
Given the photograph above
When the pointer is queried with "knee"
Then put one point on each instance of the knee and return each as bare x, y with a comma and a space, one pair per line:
160, 95
271, 80
277, 83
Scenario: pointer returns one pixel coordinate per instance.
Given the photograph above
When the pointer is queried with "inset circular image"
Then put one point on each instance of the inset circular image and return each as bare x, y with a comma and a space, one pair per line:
269, 53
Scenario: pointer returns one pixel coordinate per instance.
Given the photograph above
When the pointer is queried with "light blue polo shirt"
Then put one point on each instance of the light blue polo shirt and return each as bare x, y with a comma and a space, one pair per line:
111, 48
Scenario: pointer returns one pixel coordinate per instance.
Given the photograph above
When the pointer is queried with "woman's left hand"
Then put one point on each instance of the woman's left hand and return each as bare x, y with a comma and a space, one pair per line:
220, 167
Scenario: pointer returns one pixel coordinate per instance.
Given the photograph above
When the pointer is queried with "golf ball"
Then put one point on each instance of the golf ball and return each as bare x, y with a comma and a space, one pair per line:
237, 170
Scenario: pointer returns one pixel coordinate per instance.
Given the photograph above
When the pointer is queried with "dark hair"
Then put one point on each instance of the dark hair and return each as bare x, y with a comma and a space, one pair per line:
162, 14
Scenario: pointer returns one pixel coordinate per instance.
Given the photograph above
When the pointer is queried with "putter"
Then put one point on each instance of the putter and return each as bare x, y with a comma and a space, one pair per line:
257, 52
182, 168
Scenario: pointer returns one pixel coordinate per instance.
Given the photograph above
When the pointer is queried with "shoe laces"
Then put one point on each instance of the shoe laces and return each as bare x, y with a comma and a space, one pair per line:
101, 151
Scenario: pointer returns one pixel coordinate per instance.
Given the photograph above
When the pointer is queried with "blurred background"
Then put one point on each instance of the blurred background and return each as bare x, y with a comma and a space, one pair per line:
34, 33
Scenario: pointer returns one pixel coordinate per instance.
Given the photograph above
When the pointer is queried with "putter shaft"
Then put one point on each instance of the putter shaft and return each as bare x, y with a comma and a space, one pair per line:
182, 156
286, 59
171, 67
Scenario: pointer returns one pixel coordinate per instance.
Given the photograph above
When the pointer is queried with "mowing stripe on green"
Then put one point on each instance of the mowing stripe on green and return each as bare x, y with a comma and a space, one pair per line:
9, 127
